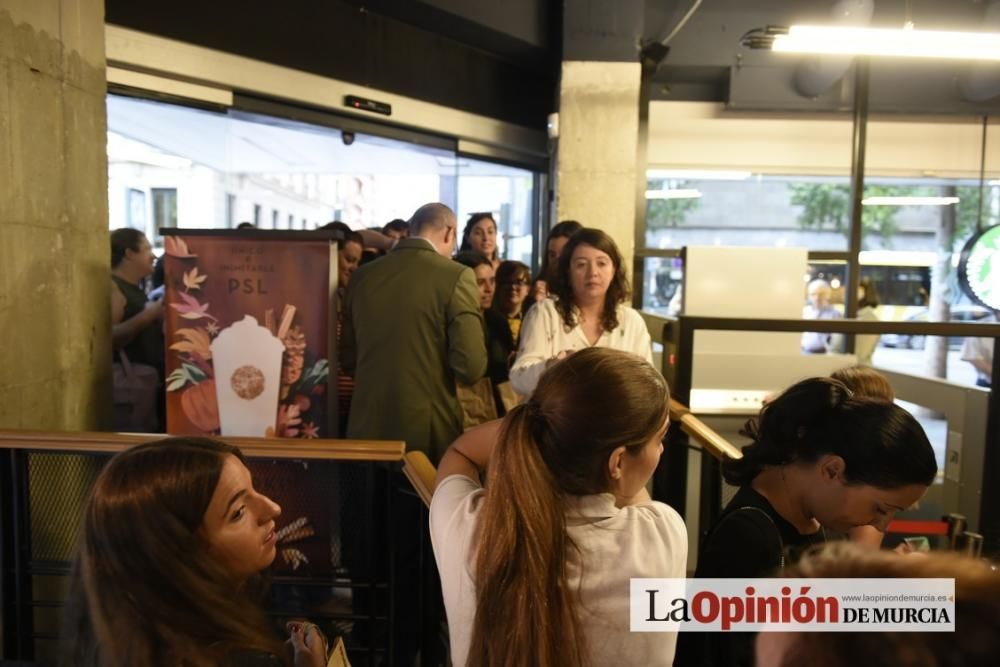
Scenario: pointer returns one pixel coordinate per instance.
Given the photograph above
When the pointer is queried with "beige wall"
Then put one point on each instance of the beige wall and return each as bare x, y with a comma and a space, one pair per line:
54, 311
695, 135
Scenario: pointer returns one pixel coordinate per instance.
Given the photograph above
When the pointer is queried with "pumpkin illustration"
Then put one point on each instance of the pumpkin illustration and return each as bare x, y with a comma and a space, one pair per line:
200, 406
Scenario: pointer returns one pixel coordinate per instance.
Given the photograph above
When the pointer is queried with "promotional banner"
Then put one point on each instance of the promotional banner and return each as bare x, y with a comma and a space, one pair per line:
247, 326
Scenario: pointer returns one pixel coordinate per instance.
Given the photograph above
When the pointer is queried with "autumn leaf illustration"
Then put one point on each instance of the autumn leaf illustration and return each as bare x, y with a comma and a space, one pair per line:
196, 341
175, 246
186, 374
191, 309
213, 329
310, 431
192, 280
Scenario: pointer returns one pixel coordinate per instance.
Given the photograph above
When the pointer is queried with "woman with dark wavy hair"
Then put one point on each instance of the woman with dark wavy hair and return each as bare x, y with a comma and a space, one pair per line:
480, 235
556, 240
535, 567
173, 539
589, 309
820, 458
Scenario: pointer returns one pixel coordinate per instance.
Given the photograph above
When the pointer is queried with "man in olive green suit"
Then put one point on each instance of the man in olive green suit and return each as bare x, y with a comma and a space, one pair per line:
411, 329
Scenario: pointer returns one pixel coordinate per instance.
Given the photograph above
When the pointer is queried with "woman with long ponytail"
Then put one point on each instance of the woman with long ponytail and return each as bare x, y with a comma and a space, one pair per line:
535, 567
820, 458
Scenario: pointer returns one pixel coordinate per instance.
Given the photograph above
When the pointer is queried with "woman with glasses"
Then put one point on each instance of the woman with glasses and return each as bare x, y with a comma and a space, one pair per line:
503, 327
511, 301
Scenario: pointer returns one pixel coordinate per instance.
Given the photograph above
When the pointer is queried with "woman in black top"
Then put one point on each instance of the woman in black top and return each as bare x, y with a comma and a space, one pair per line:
135, 321
173, 539
820, 459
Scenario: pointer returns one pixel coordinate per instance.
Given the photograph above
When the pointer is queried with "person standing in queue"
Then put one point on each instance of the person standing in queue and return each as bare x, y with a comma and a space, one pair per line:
480, 235
137, 321
554, 243
479, 401
411, 329
819, 307
820, 458
590, 310
535, 567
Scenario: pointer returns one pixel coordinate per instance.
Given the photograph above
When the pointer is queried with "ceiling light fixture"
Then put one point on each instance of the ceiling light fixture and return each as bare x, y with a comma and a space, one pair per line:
680, 193
906, 42
909, 201
698, 174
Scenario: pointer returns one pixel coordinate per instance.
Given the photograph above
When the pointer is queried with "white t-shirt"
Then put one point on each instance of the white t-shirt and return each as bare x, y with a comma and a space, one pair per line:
616, 544
543, 336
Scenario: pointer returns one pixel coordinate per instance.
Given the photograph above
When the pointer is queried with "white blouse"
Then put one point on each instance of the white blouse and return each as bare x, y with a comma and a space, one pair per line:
614, 545
543, 336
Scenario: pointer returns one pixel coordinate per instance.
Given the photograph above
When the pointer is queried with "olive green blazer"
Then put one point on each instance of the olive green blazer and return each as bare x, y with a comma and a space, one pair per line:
411, 329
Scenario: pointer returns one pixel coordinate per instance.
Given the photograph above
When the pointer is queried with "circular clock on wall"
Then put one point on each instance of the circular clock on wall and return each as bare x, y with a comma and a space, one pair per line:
979, 268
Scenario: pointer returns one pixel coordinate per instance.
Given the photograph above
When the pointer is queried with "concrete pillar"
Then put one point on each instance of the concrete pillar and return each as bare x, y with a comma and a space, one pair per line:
55, 347
597, 156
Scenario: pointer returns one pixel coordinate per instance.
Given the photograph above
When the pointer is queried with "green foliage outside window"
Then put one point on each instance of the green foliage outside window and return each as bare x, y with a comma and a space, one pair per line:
827, 206
668, 213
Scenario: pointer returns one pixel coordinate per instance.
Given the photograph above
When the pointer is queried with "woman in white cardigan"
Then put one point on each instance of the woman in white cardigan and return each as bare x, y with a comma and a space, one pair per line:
589, 310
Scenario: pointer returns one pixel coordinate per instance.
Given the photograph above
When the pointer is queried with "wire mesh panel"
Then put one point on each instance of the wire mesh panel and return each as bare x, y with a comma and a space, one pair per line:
58, 484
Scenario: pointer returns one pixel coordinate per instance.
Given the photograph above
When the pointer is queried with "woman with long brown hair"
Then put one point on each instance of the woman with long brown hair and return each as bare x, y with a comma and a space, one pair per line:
480, 235
535, 568
173, 539
590, 309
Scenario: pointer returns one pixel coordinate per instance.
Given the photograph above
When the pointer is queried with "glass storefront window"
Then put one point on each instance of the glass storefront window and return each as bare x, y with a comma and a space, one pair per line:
170, 165
507, 193
746, 209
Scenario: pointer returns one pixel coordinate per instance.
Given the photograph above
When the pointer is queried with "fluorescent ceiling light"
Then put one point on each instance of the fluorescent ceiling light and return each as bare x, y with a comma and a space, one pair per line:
905, 42
680, 193
698, 174
909, 201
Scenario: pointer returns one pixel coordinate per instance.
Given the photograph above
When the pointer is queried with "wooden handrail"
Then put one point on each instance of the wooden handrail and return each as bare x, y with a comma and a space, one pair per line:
421, 473
711, 441
277, 448
714, 443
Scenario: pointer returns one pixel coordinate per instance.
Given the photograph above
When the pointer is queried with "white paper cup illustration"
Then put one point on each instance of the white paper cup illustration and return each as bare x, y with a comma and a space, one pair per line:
247, 362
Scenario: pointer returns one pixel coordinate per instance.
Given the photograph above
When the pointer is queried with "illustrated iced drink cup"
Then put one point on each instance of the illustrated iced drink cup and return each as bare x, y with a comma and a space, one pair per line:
247, 362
